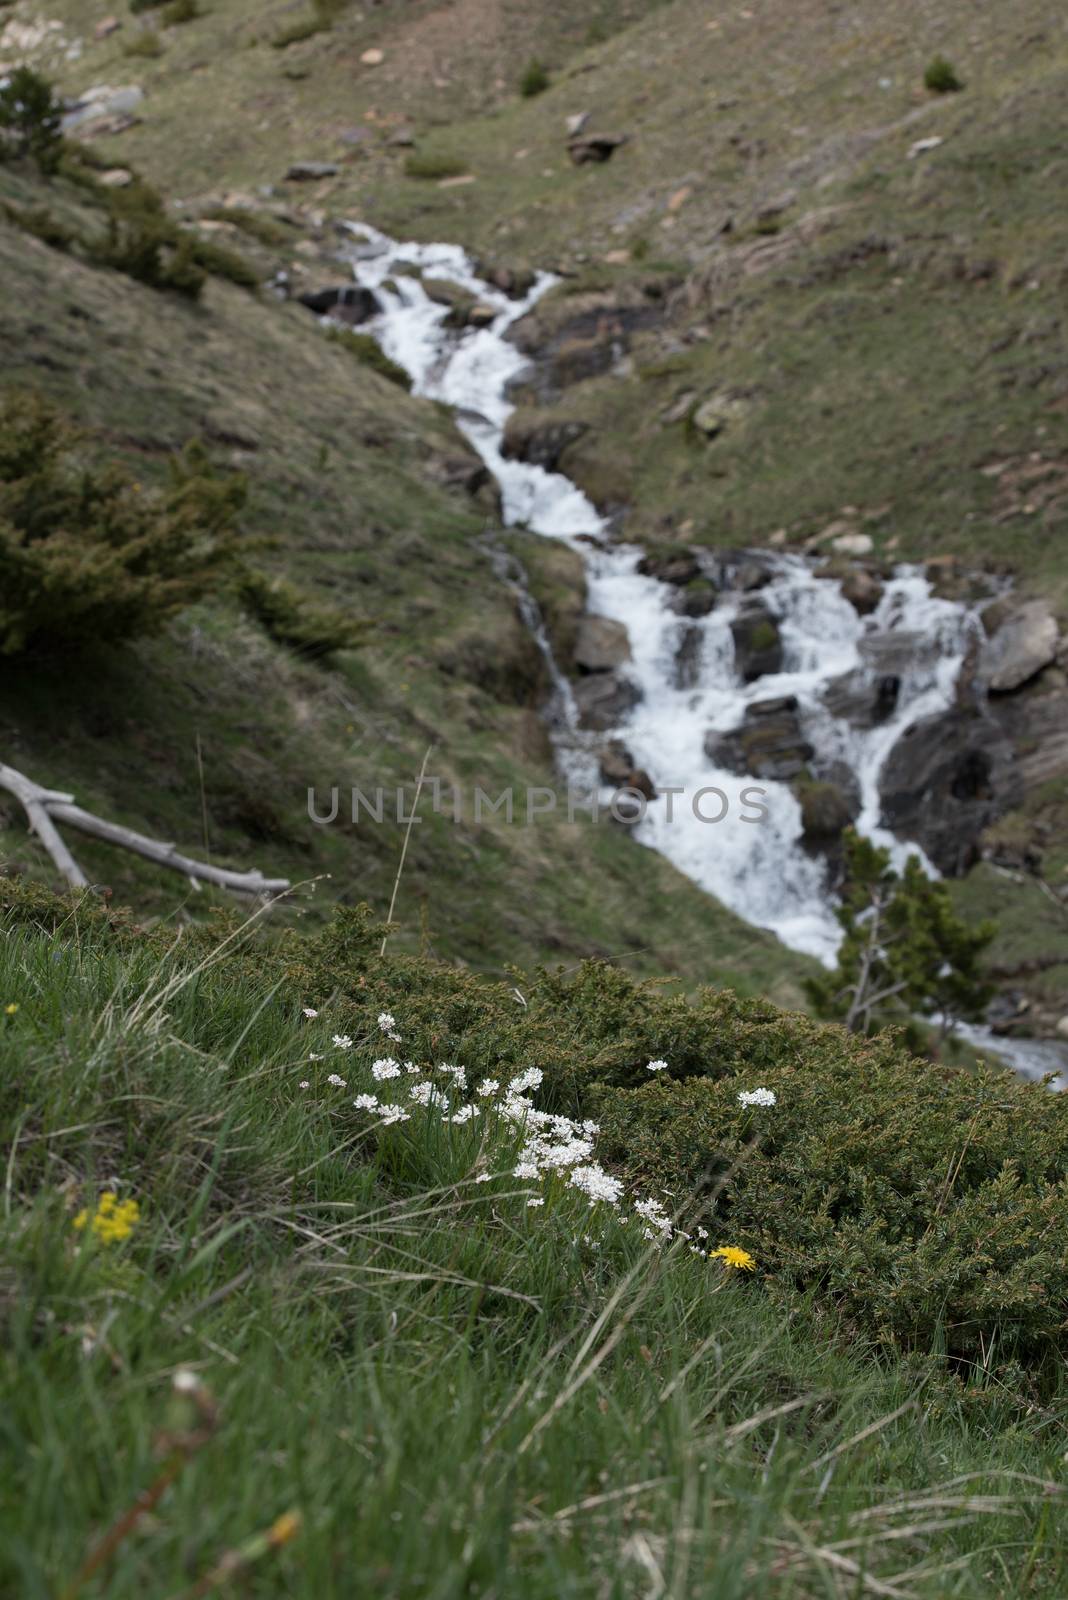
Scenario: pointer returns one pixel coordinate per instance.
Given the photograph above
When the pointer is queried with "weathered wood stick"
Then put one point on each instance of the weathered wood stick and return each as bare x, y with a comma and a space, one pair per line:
46, 807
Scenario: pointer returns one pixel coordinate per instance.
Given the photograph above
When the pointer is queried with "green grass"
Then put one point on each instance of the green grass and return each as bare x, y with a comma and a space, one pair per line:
454, 1393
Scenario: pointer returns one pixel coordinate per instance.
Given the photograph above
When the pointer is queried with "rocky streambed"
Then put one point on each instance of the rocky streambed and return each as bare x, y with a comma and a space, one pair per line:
842, 692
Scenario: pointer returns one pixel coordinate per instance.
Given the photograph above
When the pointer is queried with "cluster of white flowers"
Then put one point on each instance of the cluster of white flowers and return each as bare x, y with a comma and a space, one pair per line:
552, 1146
387, 1023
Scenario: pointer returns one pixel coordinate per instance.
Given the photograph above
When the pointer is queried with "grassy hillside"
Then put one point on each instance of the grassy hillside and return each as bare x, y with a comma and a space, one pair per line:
212, 734
324, 1346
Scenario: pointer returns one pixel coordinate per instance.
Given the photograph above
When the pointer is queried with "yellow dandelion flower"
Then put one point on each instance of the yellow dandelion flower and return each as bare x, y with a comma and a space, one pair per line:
9, 1011
733, 1256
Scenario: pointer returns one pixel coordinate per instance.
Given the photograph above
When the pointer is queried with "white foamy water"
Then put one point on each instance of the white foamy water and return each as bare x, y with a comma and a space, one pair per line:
759, 869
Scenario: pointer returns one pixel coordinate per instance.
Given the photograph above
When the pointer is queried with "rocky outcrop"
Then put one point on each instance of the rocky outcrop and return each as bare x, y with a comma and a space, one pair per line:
674, 565
1024, 642
948, 777
695, 599
863, 590
465, 310
757, 642
515, 282
542, 442
569, 339
863, 699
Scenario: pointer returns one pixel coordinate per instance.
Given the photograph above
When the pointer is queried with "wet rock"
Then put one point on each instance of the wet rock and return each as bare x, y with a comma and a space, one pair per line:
1035, 722
602, 645
947, 779
541, 443
688, 659
889, 654
697, 599
863, 590
862, 699
460, 302
515, 282
1022, 646
311, 171
604, 699
677, 566
769, 744
347, 302
757, 642
587, 148
616, 767
827, 810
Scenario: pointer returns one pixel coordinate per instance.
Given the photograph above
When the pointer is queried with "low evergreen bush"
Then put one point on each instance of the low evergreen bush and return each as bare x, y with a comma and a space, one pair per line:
941, 77
88, 555
30, 119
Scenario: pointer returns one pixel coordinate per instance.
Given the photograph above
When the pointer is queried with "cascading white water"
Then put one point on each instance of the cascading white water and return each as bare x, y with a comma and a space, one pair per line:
760, 871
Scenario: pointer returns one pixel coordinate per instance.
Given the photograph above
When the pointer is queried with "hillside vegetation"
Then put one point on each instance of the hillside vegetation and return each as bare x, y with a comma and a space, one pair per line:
257, 1329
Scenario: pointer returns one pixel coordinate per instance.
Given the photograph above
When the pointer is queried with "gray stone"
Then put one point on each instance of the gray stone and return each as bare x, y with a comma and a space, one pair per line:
757, 642
540, 443
602, 645
350, 303
948, 777
587, 148
769, 744
1023, 645
604, 699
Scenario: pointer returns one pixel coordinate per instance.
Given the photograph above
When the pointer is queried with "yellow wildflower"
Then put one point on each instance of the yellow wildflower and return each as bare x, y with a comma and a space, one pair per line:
112, 1221
9, 1011
733, 1256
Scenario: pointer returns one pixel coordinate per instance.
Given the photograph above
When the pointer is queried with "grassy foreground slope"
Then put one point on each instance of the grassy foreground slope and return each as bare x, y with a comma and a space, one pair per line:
329, 1353
211, 734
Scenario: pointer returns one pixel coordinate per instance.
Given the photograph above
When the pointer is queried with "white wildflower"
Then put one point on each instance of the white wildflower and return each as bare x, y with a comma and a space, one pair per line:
484, 1177
596, 1184
386, 1068
386, 1020
457, 1074
304, 1084
757, 1097
339, 1083
410, 1066
314, 1056
656, 1066
342, 1041
421, 1093
464, 1114
487, 1087
310, 1012
530, 1079
535, 1200
391, 1113
526, 1169
366, 1102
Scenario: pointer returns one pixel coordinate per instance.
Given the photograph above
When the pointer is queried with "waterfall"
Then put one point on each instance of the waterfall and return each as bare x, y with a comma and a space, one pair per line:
762, 873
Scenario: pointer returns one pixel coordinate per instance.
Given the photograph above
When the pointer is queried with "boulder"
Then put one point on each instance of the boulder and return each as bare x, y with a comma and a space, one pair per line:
827, 810
581, 336
714, 415
757, 642
862, 699
670, 566
696, 599
863, 590
853, 544
586, 148
602, 645
526, 438
615, 763
948, 778
604, 699
1022, 646
347, 302
769, 744
515, 282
